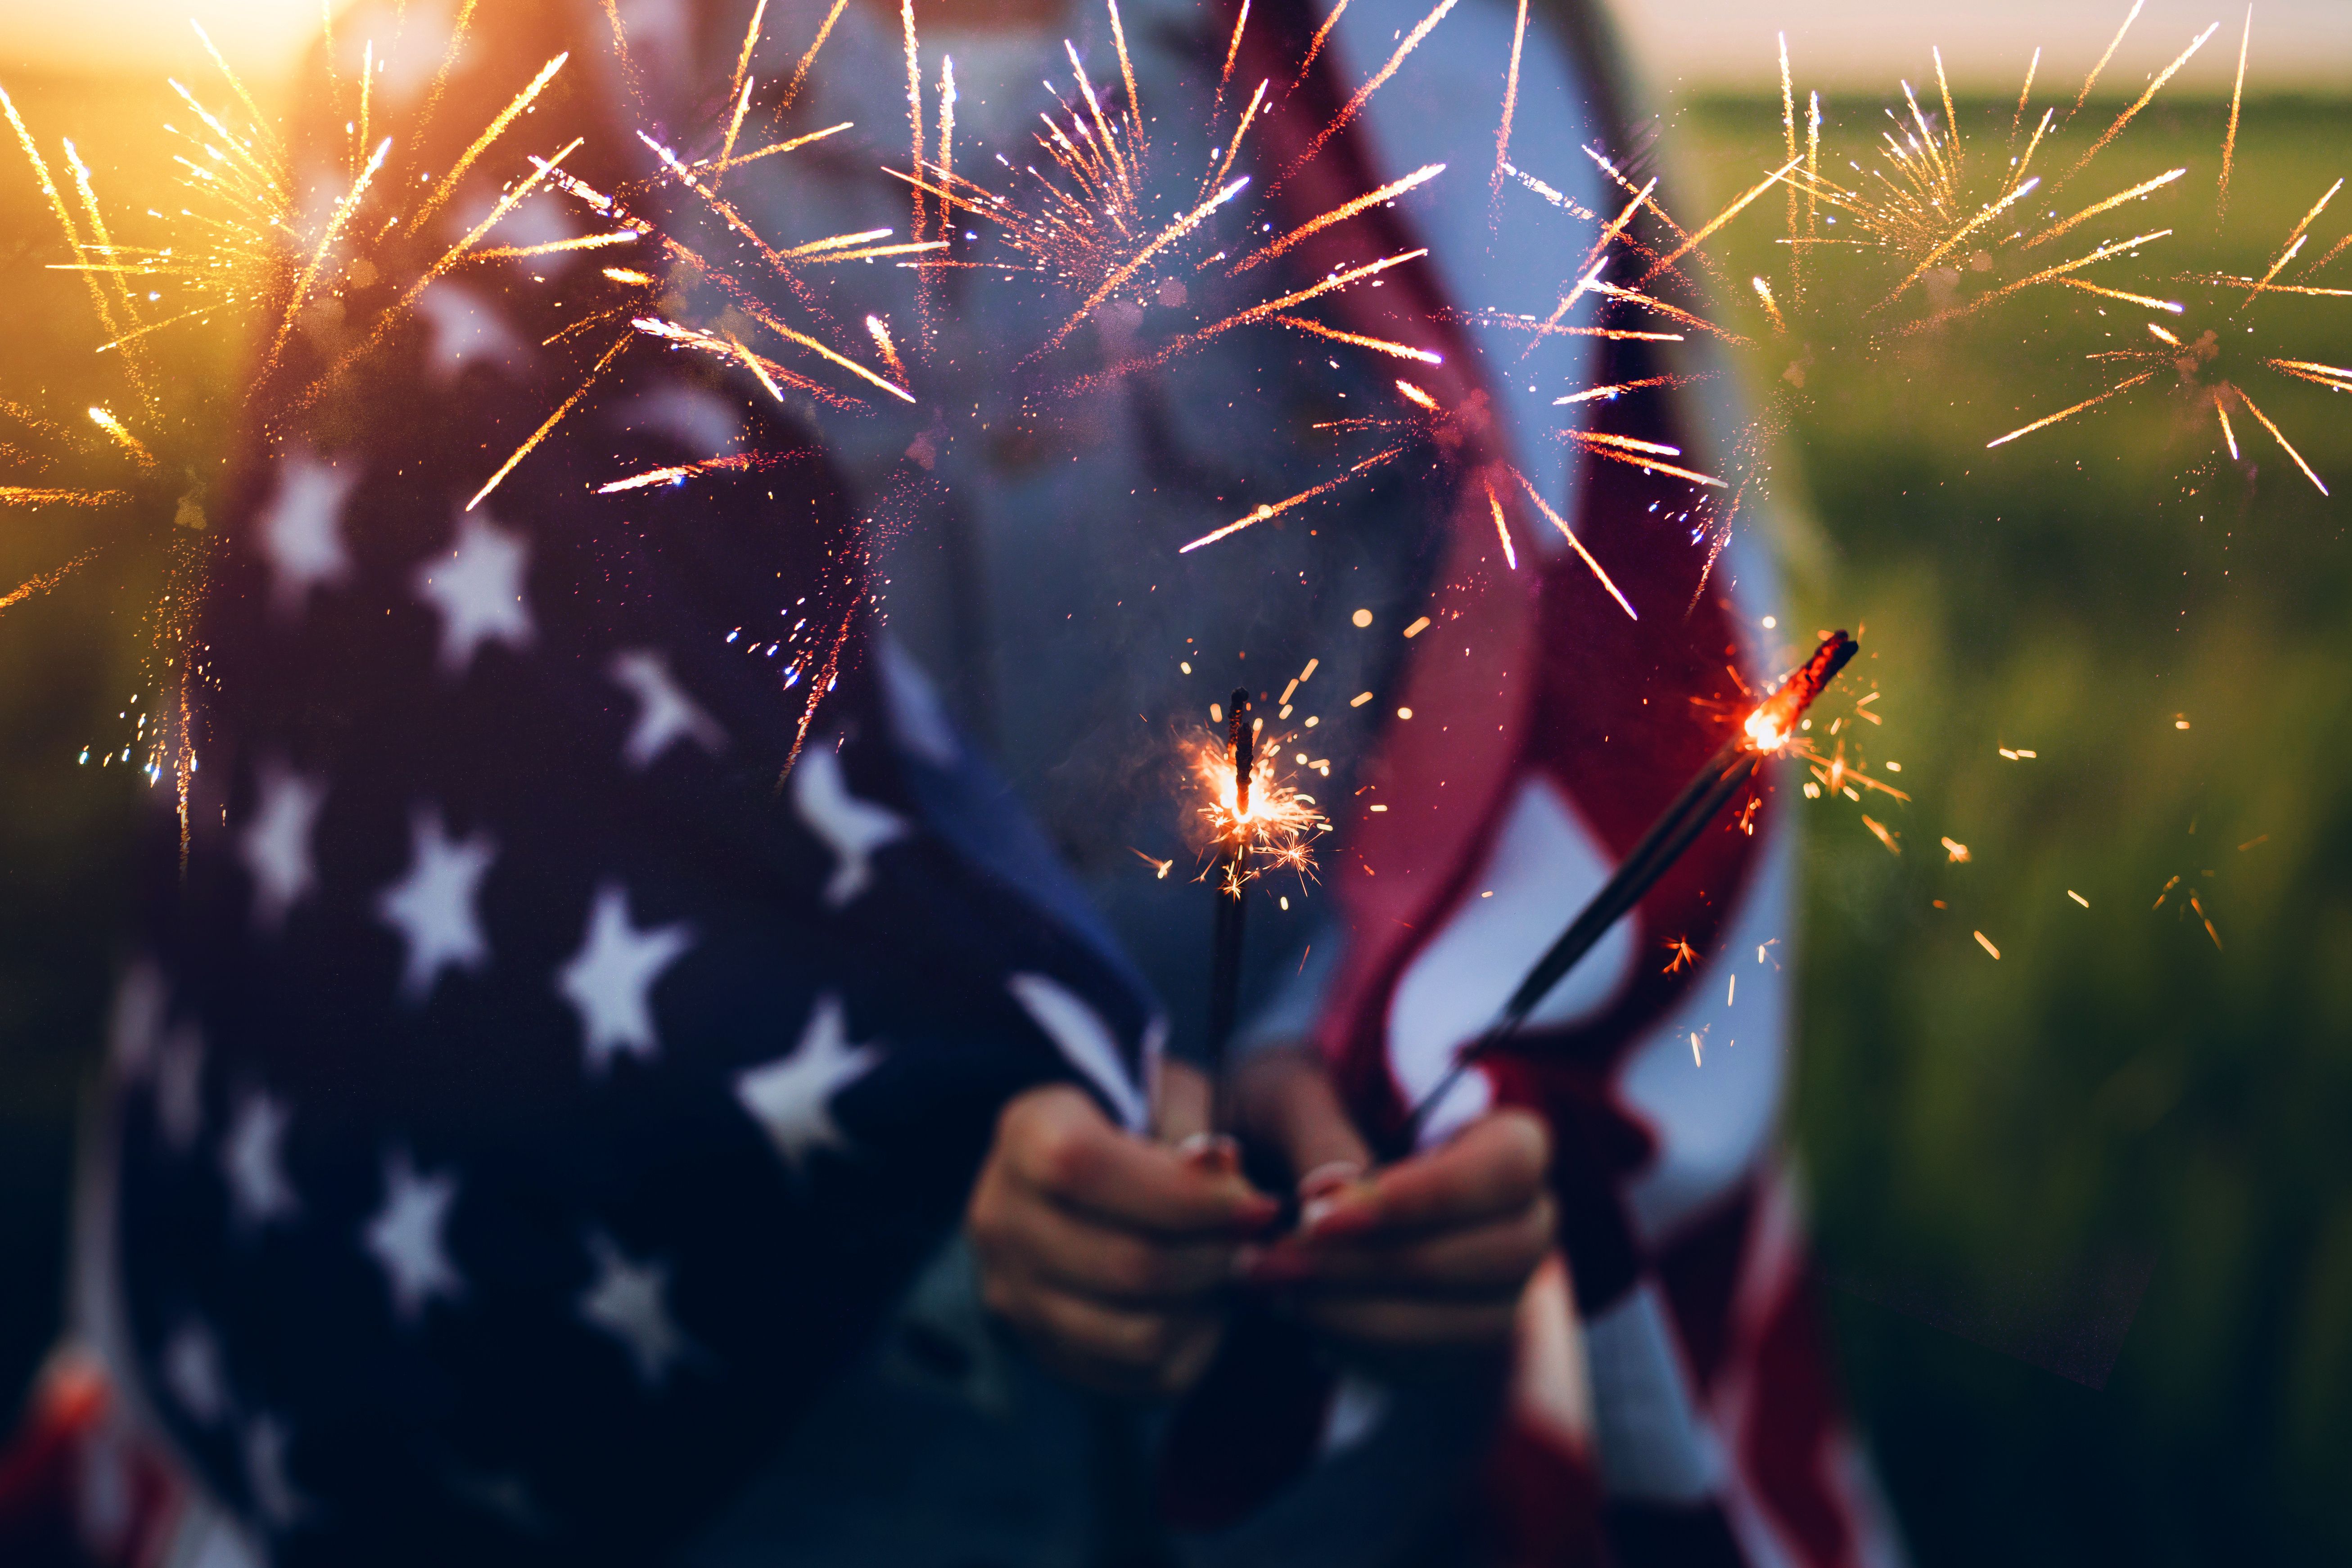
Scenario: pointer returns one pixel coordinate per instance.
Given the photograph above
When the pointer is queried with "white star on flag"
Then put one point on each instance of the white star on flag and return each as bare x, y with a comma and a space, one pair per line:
405, 1236
608, 980
629, 1301
276, 844
791, 1097
477, 588
666, 715
180, 1087
433, 905
266, 1438
302, 533
192, 1370
253, 1161
851, 827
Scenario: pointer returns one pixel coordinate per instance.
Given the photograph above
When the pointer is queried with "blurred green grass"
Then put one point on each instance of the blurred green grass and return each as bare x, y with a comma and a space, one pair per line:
1993, 1136
2112, 1091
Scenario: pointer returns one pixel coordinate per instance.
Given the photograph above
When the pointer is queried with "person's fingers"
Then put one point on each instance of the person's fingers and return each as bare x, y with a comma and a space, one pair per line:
1382, 1320
1494, 1168
1493, 1257
1104, 1346
1182, 1101
1287, 1099
1057, 1142
1072, 1252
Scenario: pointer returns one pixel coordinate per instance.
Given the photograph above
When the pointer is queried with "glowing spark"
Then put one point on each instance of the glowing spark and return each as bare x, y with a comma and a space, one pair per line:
1232, 53
792, 144
491, 133
1380, 345
1274, 509
2174, 305
1502, 530
129, 443
1614, 391
2141, 103
2295, 241
1167, 237
1340, 214
2084, 96
549, 247
2228, 434
1764, 292
2095, 208
625, 274
1986, 943
1882, 832
2230, 137
41, 584
801, 71
1575, 544
2278, 436
1414, 394
879, 331
2069, 412
1956, 851
33, 495
1354, 106
740, 90
1626, 449
1510, 106
914, 101
553, 420
1159, 867
1315, 45
2048, 273
2332, 376
1721, 218
1681, 953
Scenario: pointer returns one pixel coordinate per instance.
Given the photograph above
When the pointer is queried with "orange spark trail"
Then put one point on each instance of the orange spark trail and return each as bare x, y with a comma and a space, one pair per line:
1502, 529
122, 436
1764, 292
1612, 392
1573, 542
1270, 308
770, 151
58, 206
2069, 412
801, 71
1354, 106
2154, 88
41, 584
318, 259
1590, 268
2228, 434
736, 87
32, 496
2278, 437
1625, 449
491, 133
1510, 107
2024, 93
2150, 302
1378, 345
2293, 242
2084, 96
1674, 313
914, 105
1341, 213
2095, 208
1276, 508
1315, 45
879, 331
1232, 53
2230, 137
548, 247
1136, 264
1126, 73
1720, 219
553, 420
2335, 376
2104, 253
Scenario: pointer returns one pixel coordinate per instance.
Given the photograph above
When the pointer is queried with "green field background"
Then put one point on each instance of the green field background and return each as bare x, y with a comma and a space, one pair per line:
2117, 1141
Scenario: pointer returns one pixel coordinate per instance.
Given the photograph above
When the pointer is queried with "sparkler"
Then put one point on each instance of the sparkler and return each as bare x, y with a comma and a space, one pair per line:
1768, 729
1225, 954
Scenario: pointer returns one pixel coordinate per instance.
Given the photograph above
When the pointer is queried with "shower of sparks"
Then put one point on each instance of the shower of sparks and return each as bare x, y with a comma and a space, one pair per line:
1278, 830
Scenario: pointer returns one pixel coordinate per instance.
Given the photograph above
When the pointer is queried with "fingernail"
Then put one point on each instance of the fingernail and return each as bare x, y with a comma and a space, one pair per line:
1340, 1213
1316, 1212
1212, 1152
1329, 1177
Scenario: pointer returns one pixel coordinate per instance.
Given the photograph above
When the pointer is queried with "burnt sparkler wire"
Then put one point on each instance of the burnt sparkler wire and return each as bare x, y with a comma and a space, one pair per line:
1766, 730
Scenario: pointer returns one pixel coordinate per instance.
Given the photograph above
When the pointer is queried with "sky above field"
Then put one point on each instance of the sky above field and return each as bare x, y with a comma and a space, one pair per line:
1686, 45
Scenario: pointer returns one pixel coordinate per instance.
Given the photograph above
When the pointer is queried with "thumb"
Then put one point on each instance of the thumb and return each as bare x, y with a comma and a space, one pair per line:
1298, 1108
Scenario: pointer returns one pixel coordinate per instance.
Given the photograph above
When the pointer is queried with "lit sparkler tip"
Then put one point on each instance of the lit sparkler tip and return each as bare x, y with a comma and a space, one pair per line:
1774, 721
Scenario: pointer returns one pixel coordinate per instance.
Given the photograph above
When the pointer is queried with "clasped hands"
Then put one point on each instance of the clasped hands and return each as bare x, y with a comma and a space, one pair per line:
1117, 1257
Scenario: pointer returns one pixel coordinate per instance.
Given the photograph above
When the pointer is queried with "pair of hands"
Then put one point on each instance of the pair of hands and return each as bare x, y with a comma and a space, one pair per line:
1114, 1256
